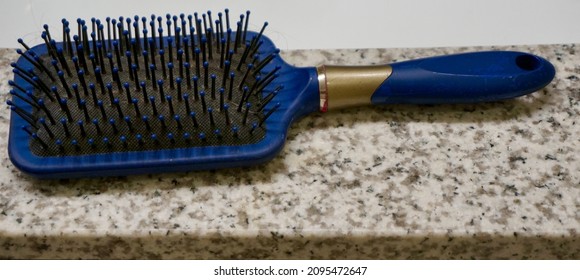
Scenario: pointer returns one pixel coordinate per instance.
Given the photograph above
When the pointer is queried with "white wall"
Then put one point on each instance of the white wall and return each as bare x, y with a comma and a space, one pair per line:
305, 24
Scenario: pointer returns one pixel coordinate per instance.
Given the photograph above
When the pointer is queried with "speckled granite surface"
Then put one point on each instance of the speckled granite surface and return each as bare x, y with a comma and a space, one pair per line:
497, 180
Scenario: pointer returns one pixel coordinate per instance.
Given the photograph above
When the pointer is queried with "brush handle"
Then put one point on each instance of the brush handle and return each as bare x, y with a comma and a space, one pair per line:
465, 78
459, 78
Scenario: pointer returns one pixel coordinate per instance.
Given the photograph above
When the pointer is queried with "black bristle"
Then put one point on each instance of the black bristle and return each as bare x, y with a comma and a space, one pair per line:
197, 64
221, 31
35, 137
170, 103
177, 119
143, 89
247, 72
203, 49
114, 28
227, 12
42, 106
85, 37
22, 113
108, 20
264, 62
203, 103
160, 31
75, 61
205, 74
145, 120
145, 38
179, 94
129, 64
117, 105
26, 55
129, 123
180, 60
109, 87
134, 69
170, 70
238, 34
161, 91
137, 36
244, 56
177, 38
99, 77
187, 74
146, 64
231, 86
222, 52
213, 77
118, 54
136, 51
228, 42
143, 85
77, 95
170, 49
117, 79
153, 106
81, 55
186, 48
135, 102
102, 109
195, 87
210, 114
64, 105
246, 26
127, 40
153, 79
62, 60
269, 98
113, 125
81, 128
83, 105
152, 26
161, 119
194, 120
226, 108
25, 99
46, 127
226, 73
243, 97
162, 57
97, 126
63, 121
246, 111
221, 93
267, 115
209, 35
21, 42
93, 93
186, 102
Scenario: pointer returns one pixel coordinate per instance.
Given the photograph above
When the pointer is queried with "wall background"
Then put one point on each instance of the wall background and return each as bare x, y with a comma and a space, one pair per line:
324, 24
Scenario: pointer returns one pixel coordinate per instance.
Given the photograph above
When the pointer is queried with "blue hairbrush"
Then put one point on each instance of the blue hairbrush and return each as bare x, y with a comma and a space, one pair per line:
191, 92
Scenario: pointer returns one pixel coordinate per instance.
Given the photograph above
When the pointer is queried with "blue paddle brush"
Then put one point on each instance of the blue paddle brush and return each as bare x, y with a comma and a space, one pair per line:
179, 93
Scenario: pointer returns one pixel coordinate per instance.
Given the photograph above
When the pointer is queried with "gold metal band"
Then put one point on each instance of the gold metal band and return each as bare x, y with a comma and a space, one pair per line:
348, 86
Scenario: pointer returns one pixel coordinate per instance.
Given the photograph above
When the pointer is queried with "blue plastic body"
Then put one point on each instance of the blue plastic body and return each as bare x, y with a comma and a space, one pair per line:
298, 98
465, 78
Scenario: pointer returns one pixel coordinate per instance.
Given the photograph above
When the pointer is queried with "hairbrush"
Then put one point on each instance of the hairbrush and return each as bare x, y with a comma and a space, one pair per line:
191, 92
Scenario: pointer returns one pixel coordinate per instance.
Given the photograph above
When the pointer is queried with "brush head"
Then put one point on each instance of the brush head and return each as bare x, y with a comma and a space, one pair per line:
145, 96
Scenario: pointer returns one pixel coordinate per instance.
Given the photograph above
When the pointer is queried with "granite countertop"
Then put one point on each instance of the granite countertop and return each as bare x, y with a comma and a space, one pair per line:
495, 180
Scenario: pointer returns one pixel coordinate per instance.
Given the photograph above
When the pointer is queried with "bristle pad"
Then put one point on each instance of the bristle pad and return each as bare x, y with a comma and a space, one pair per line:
146, 85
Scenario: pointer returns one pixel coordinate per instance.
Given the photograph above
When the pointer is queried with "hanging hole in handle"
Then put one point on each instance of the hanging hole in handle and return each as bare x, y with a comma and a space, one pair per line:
527, 62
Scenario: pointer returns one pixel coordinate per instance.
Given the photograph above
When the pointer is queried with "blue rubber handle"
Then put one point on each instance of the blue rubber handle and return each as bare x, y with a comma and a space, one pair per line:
465, 78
